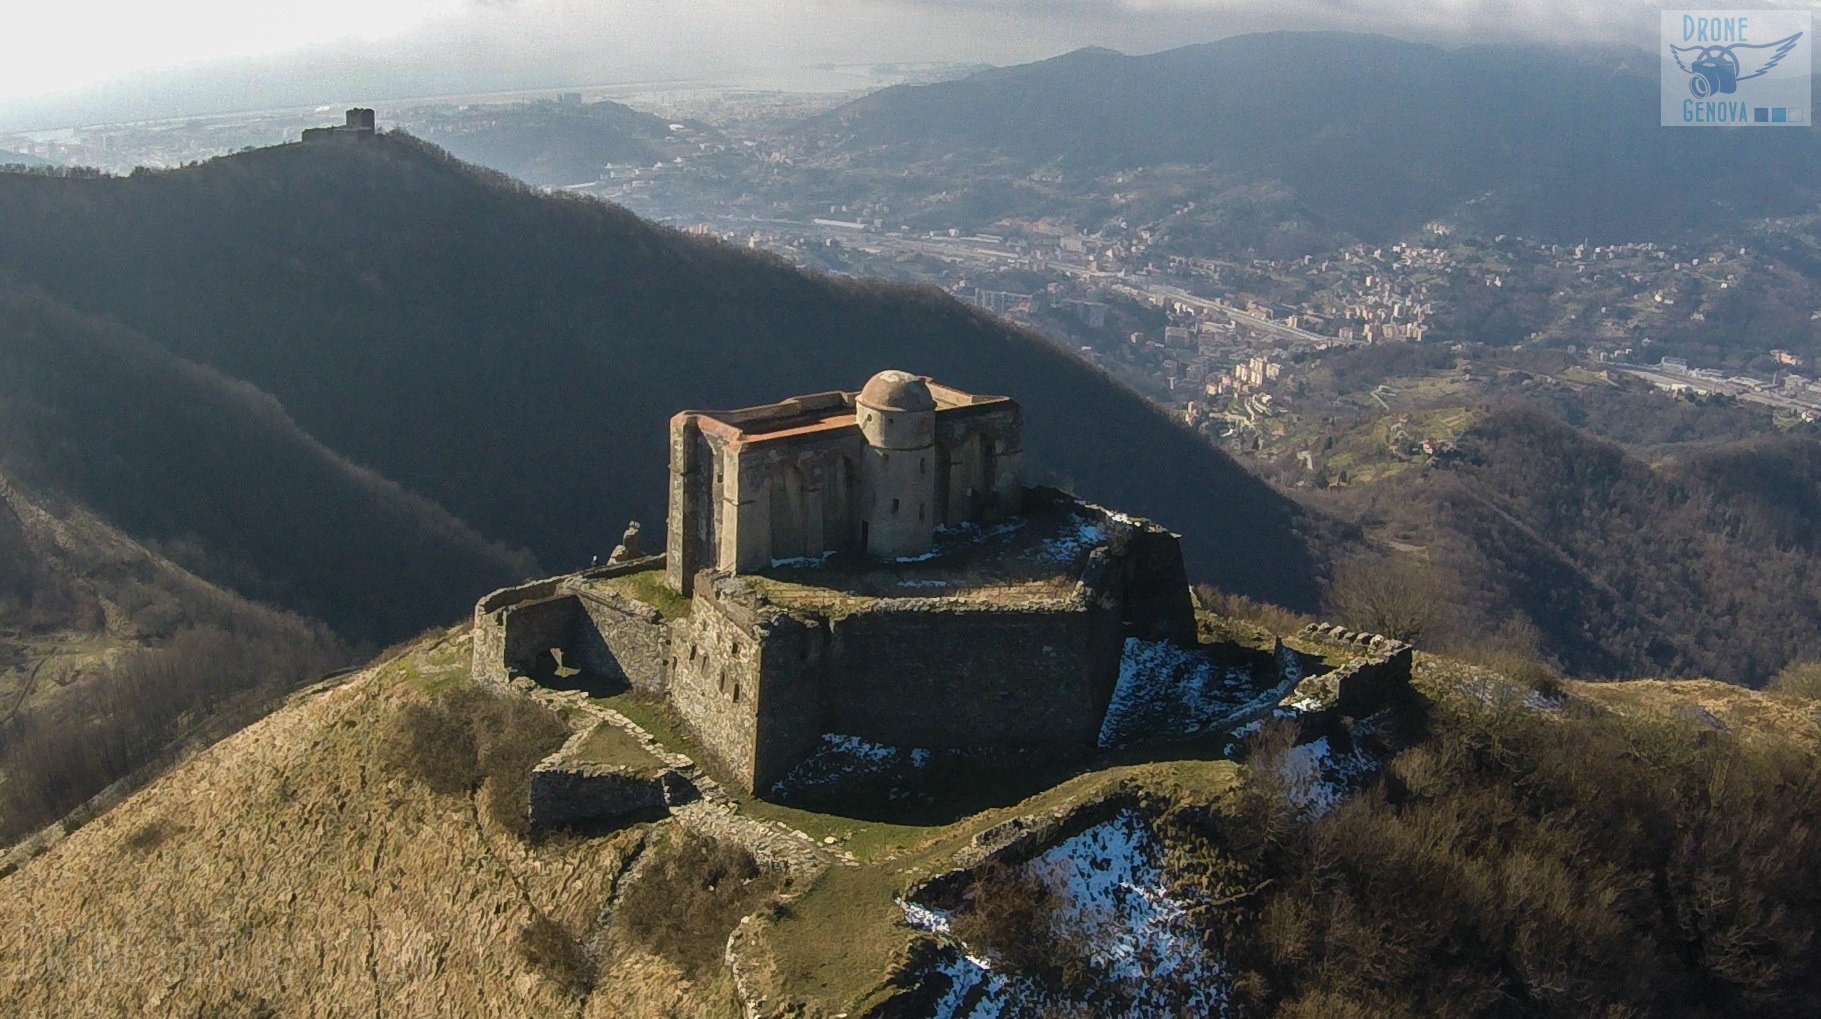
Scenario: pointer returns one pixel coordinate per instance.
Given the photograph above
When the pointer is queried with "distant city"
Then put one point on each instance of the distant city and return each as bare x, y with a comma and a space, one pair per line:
1219, 340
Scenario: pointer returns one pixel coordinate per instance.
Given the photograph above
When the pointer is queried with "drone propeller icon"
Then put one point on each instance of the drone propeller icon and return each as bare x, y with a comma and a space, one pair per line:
1720, 68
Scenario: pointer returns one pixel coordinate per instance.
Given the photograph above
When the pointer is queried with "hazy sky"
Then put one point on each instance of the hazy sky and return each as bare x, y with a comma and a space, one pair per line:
152, 57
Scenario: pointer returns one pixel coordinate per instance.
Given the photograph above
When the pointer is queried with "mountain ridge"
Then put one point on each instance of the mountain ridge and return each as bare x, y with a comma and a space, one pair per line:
515, 356
1374, 135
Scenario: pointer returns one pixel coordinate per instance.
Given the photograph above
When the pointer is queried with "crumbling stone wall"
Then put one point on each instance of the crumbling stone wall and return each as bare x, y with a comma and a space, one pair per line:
613, 637
568, 791
1361, 686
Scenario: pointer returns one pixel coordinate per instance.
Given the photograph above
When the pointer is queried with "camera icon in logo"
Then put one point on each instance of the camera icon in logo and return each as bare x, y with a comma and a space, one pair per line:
1718, 70
1715, 70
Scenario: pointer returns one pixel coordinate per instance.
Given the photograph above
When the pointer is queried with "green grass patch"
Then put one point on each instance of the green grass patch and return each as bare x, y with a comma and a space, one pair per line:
648, 586
613, 746
835, 943
865, 839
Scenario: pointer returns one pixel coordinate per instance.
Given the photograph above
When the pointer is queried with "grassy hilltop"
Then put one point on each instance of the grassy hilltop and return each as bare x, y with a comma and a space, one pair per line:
1626, 849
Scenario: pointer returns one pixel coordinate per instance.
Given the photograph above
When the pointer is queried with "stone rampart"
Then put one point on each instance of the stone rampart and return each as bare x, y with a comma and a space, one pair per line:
941, 675
759, 683
1362, 686
714, 679
568, 791
616, 639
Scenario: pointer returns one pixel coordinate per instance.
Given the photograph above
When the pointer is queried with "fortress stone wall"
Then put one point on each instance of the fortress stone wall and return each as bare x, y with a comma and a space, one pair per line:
760, 681
867, 564
612, 637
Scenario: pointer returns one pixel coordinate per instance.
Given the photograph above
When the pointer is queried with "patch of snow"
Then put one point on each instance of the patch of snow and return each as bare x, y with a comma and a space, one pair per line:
1109, 880
1319, 777
802, 561
922, 583
1083, 534
856, 747
843, 757
1166, 691
1301, 704
974, 990
923, 918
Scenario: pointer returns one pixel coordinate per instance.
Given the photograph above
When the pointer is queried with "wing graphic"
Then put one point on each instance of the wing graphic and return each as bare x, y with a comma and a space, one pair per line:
1681, 51
1779, 50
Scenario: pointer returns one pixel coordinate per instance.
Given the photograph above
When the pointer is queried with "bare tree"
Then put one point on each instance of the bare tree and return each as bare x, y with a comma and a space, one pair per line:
1400, 597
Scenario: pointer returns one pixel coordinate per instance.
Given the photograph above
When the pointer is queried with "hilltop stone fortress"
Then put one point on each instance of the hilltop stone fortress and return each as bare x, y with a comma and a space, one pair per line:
877, 471
866, 564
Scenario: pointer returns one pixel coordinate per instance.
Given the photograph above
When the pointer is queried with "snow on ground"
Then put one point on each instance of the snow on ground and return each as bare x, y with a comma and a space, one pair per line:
1109, 880
1166, 691
1320, 777
802, 561
1076, 537
840, 758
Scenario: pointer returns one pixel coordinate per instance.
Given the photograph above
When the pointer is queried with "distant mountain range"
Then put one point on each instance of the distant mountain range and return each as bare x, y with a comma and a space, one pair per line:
509, 356
1373, 135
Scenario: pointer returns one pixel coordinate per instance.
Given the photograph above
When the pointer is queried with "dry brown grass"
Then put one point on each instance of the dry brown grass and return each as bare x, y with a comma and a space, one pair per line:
469, 738
309, 879
1275, 618
685, 903
552, 950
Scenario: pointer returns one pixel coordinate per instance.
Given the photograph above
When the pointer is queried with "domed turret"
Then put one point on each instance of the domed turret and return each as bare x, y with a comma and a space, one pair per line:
896, 390
897, 415
896, 411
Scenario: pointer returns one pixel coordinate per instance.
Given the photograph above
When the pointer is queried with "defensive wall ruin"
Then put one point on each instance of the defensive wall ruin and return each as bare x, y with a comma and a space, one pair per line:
760, 671
866, 564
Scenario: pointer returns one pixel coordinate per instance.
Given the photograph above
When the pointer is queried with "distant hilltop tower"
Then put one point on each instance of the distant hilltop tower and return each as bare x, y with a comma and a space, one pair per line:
358, 128
878, 470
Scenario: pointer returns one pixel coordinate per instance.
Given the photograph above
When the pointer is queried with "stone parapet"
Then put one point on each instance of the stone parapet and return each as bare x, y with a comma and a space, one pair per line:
611, 636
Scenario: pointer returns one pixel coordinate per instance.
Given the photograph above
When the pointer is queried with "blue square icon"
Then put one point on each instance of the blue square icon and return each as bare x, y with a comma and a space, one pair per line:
1779, 114
1760, 115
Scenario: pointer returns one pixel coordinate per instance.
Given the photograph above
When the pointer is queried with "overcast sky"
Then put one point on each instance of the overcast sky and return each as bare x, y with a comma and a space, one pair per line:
91, 58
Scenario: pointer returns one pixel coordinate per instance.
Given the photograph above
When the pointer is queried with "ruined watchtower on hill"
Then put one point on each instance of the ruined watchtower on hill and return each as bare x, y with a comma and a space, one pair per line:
865, 564
359, 127
878, 471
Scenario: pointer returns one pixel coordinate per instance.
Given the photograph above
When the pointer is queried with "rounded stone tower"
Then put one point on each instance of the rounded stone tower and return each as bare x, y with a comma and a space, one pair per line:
897, 415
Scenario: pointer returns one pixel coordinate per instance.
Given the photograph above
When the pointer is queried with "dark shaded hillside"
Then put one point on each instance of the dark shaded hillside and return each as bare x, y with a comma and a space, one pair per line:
109, 654
1710, 566
516, 356
214, 473
1373, 135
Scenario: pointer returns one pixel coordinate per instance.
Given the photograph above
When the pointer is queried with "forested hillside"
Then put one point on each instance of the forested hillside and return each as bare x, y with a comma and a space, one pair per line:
1707, 564
516, 356
109, 653
212, 472
1370, 135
